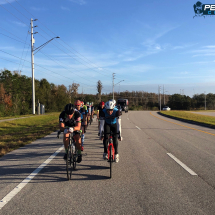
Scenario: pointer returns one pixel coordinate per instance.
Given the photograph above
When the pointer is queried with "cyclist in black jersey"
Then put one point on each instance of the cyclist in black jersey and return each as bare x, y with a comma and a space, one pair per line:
70, 122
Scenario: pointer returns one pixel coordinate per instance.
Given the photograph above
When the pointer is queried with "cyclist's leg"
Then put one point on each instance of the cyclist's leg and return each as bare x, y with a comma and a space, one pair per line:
82, 137
106, 133
77, 139
66, 140
115, 137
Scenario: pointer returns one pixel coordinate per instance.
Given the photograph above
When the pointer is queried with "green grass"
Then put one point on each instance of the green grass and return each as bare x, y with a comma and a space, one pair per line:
19, 132
210, 120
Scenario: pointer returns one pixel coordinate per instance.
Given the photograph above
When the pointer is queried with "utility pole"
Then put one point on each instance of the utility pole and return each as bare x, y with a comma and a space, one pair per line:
163, 96
113, 84
158, 93
32, 60
32, 65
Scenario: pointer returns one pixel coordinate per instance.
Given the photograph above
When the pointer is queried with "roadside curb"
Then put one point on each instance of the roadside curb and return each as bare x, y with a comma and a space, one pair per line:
188, 121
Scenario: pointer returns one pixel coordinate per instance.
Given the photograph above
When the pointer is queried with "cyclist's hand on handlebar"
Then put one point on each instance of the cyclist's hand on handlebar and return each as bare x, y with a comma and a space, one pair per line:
102, 138
71, 130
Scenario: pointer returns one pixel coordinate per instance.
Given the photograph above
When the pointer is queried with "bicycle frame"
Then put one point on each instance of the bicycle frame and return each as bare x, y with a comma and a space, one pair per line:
110, 145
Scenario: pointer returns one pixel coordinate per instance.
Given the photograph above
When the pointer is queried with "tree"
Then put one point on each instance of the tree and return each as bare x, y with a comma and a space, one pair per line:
99, 89
73, 90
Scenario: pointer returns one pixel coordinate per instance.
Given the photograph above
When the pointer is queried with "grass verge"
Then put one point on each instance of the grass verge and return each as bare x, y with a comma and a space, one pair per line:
210, 120
19, 132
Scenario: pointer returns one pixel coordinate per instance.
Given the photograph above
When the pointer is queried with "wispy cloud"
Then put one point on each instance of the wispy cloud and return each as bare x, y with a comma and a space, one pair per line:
81, 2
5, 2
65, 8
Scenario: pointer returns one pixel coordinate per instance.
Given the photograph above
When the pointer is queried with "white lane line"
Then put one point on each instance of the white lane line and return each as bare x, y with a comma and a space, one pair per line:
138, 128
182, 164
10, 195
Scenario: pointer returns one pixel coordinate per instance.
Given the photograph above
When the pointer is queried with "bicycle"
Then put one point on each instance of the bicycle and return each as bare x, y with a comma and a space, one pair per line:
72, 156
111, 152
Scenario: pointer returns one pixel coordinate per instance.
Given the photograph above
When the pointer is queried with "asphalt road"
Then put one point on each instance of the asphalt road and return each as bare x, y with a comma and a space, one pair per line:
147, 180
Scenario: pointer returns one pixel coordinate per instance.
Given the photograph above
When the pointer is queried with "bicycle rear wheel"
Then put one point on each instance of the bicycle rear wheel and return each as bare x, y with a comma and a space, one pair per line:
111, 160
69, 163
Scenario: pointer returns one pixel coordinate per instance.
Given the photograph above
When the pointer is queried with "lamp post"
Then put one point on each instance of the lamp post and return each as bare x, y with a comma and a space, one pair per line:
32, 61
114, 85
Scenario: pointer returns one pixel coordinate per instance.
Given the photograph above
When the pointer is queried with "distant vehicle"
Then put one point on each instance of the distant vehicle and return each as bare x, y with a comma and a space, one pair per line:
123, 103
119, 108
166, 108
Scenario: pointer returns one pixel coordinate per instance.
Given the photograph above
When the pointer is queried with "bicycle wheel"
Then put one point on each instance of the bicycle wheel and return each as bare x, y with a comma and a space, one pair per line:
110, 160
74, 159
69, 163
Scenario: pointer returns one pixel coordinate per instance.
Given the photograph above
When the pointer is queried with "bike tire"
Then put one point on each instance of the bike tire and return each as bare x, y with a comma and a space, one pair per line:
111, 161
69, 163
74, 159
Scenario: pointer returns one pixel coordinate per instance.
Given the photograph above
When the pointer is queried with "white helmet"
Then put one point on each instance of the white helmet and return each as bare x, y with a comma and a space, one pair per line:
109, 105
114, 101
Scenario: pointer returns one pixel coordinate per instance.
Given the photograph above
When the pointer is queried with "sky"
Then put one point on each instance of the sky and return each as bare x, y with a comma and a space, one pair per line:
142, 44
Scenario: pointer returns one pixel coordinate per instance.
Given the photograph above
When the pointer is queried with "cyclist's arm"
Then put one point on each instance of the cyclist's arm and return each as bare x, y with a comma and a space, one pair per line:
61, 126
61, 121
77, 126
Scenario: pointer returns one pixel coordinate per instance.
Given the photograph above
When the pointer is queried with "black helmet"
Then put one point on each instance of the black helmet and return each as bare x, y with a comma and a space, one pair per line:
69, 109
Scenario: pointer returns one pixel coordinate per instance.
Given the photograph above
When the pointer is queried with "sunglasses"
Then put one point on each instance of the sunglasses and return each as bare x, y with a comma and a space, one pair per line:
78, 105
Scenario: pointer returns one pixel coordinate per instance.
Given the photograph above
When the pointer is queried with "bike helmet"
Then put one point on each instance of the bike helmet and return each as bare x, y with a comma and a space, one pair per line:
87, 103
102, 103
77, 102
69, 109
114, 101
109, 105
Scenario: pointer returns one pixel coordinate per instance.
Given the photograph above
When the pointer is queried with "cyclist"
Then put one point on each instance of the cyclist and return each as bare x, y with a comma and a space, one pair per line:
70, 122
92, 112
81, 110
109, 123
99, 110
86, 120
89, 112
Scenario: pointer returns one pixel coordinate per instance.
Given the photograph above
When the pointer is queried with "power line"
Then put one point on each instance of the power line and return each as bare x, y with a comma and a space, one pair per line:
24, 46
13, 14
12, 38
16, 9
40, 66
64, 42
71, 56
63, 66
30, 67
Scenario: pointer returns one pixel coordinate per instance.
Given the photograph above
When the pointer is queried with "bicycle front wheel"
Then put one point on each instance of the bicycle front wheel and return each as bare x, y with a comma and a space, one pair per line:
69, 163
74, 158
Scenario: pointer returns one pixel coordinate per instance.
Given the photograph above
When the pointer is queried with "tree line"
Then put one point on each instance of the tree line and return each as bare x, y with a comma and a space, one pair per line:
16, 96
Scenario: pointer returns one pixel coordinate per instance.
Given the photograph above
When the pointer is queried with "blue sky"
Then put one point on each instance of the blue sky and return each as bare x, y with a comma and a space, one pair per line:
145, 43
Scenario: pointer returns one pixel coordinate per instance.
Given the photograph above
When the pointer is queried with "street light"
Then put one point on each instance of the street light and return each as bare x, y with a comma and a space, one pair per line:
114, 85
32, 61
